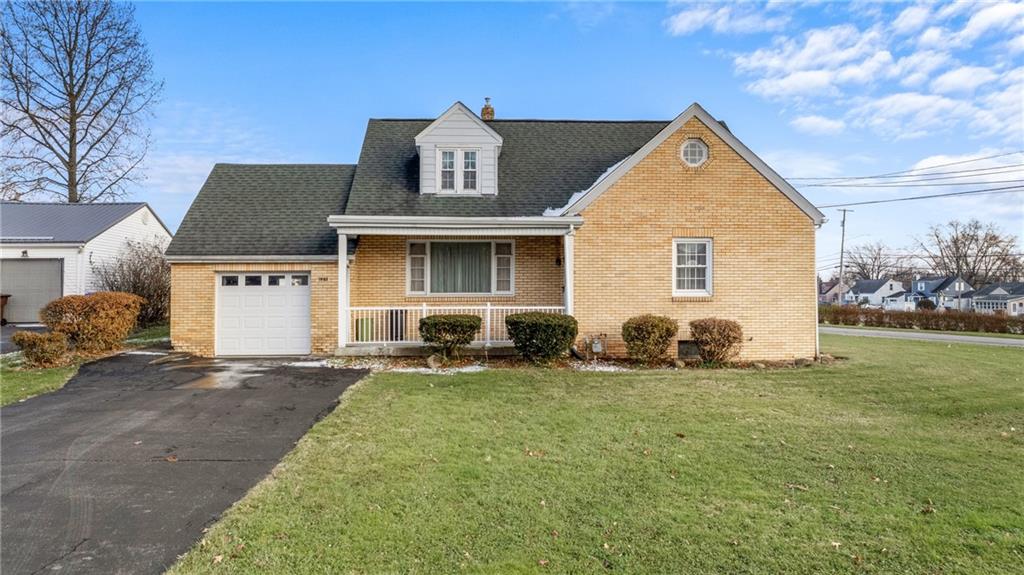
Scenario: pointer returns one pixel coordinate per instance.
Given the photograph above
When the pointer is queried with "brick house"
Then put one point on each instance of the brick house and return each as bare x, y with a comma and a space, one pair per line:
603, 220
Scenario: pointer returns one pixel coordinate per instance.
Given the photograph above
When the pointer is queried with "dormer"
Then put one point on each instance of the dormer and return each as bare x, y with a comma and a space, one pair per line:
459, 154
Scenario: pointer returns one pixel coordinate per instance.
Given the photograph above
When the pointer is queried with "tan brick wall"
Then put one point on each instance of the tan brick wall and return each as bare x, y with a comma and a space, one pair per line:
193, 295
763, 266
378, 274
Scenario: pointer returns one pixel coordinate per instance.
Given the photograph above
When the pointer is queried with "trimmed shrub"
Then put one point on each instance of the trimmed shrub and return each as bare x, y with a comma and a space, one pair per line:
648, 336
539, 336
925, 305
93, 323
718, 340
944, 320
448, 334
41, 349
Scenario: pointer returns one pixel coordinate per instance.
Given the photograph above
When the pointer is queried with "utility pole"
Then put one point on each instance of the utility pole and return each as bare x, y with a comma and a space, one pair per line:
842, 254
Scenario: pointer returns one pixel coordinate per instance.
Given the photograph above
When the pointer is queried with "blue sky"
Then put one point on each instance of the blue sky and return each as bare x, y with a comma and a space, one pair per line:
817, 89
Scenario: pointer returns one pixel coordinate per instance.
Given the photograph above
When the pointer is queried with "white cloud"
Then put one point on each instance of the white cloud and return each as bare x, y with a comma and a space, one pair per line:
818, 125
963, 79
994, 17
803, 83
909, 115
916, 68
911, 19
723, 19
802, 164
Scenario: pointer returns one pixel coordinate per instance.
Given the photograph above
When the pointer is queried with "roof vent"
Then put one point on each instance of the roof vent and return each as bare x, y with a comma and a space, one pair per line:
487, 112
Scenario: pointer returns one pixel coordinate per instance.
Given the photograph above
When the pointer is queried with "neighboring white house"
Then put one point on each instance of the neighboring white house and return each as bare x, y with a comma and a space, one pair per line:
872, 291
50, 250
1006, 297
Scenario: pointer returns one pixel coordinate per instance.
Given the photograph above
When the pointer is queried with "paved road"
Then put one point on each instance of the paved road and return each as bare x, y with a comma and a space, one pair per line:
120, 471
925, 336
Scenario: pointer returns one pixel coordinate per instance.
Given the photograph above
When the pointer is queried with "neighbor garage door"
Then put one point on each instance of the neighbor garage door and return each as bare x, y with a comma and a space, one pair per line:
31, 284
263, 314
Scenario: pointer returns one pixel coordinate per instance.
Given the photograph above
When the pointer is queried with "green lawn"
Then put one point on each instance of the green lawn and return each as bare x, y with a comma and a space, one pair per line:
17, 383
969, 333
905, 459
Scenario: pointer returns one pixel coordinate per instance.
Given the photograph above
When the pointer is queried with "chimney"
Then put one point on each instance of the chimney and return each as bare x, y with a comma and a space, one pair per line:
487, 112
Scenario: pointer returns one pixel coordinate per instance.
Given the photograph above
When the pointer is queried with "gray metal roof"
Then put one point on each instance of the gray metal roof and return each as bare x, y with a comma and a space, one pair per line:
542, 163
59, 223
265, 209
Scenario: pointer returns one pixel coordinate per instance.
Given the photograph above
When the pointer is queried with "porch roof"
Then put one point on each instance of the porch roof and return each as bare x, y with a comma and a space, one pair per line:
454, 226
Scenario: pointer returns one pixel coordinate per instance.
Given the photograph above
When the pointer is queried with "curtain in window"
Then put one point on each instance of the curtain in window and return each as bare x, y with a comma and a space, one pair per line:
457, 267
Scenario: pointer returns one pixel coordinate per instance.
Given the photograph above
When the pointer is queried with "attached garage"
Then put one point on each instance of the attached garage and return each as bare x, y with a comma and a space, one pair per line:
31, 283
263, 314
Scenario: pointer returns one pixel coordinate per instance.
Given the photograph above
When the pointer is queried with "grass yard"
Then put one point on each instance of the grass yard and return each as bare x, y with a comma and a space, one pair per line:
17, 383
905, 459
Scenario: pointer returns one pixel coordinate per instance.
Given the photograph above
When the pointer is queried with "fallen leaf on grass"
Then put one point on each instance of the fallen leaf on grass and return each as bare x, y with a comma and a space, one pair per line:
532, 453
680, 435
647, 451
554, 533
542, 562
217, 559
797, 486
836, 544
928, 508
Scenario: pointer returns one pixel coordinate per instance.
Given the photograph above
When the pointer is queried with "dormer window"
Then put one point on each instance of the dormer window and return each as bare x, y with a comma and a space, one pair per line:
457, 171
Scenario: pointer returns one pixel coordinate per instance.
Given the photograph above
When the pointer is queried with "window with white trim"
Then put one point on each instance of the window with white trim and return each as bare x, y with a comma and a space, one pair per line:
691, 267
694, 152
458, 171
473, 267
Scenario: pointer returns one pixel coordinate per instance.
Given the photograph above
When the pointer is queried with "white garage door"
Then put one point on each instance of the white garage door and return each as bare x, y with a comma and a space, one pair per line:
263, 314
31, 284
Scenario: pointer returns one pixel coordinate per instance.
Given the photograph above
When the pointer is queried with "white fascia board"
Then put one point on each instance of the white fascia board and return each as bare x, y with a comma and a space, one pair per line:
696, 111
248, 259
443, 225
38, 245
459, 106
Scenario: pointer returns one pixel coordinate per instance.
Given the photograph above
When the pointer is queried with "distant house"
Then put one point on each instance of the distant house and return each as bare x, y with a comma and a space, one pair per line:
50, 250
1006, 297
828, 291
946, 292
872, 291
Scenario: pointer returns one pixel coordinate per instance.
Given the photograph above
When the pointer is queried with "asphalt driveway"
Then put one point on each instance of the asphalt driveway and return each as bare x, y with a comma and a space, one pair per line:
924, 336
121, 470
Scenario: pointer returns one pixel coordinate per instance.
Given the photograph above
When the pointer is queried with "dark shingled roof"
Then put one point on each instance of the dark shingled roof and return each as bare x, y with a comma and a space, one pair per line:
542, 163
869, 286
246, 209
59, 223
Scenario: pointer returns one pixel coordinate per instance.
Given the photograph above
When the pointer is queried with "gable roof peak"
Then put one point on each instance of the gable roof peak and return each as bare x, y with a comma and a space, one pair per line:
458, 106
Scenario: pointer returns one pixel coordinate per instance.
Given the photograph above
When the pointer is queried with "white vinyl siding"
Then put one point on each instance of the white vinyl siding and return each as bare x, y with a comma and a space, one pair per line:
459, 132
451, 267
692, 266
141, 226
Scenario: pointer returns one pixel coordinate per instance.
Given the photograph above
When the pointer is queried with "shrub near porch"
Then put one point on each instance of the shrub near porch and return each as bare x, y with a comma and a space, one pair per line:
895, 461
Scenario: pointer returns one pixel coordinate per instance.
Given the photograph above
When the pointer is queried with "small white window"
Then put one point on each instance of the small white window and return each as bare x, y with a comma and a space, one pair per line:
448, 170
469, 171
692, 267
694, 152
418, 267
503, 267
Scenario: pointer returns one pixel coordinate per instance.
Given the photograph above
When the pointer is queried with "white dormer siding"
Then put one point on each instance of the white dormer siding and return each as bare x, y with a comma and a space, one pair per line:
459, 131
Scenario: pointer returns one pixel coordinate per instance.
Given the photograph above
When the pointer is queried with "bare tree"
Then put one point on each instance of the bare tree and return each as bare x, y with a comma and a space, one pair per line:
76, 89
877, 260
979, 253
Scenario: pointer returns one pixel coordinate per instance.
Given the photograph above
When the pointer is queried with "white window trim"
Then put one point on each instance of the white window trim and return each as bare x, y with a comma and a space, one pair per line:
459, 172
707, 152
708, 273
426, 270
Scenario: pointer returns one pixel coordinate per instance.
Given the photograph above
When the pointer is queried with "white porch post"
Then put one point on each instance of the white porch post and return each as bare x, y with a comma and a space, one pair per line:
568, 248
343, 303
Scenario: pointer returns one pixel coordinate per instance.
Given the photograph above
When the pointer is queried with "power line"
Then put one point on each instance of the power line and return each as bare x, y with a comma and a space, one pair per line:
922, 177
1003, 190
889, 174
912, 184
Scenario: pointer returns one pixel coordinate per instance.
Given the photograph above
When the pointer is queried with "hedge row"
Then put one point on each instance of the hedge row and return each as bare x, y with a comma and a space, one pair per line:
943, 321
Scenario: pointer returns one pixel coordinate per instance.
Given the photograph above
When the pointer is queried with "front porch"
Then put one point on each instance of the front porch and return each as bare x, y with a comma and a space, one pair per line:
405, 269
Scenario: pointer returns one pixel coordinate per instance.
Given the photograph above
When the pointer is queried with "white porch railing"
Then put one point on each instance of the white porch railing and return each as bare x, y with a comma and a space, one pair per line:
401, 325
